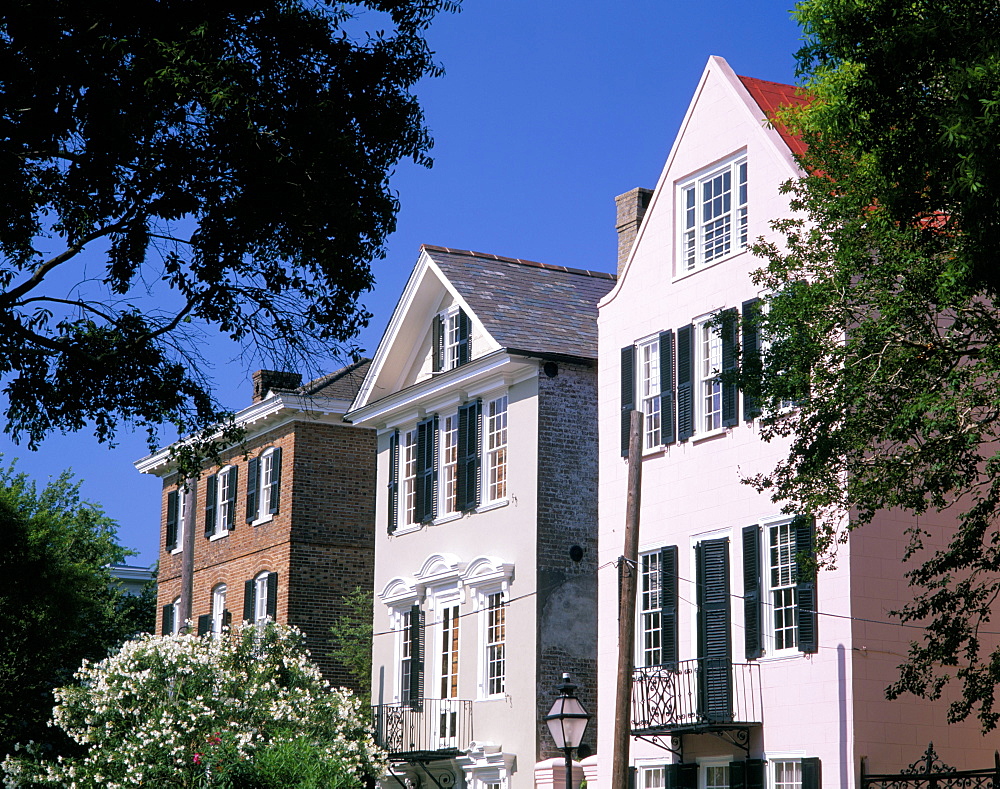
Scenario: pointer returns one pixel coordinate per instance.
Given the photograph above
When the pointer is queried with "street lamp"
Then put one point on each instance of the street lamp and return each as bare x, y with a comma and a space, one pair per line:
567, 721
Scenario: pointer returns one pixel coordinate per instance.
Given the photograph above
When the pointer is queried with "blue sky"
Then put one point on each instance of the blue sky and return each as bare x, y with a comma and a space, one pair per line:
547, 110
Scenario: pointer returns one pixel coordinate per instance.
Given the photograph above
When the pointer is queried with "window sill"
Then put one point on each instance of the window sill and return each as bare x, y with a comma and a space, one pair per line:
262, 520
176, 551
781, 657
697, 438
413, 527
218, 535
705, 266
451, 516
497, 697
492, 505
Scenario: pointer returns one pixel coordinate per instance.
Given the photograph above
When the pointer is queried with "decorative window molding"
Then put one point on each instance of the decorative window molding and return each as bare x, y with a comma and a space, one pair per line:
263, 486
488, 580
712, 216
486, 766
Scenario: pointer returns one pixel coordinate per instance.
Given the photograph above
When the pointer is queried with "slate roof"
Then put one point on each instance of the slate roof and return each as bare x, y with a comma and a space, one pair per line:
528, 306
342, 384
771, 96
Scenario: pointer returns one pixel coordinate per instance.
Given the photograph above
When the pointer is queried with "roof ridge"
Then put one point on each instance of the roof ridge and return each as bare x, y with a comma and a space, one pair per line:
324, 380
771, 82
521, 262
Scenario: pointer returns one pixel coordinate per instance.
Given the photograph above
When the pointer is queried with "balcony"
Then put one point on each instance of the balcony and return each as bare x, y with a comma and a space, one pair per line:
423, 730
705, 695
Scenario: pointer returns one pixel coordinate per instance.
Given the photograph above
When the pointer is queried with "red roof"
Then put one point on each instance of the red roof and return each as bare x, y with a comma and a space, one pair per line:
771, 96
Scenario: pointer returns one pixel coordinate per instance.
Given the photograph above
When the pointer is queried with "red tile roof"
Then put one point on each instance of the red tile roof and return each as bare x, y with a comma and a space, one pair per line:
770, 96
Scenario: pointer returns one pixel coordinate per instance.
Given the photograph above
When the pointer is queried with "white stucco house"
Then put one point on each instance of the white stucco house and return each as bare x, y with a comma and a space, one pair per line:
483, 393
749, 673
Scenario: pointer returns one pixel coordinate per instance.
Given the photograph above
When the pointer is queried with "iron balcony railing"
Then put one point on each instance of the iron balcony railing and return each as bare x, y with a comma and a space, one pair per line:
423, 727
695, 694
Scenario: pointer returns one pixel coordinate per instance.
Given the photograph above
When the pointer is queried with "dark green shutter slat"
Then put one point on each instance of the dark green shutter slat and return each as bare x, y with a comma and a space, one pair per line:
685, 383
730, 396
210, 495
253, 489
393, 491
233, 475
167, 626
805, 588
416, 656
755, 774
632, 782
687, 776
272, 596
468, 467
811, 773
668, 402
248, 601
753, 629
628, 394
464, 337
172, 510
737, 775
750, 351
275, 502
437, 353
668, 605
426, 480
204, 624
714, 646
671, 775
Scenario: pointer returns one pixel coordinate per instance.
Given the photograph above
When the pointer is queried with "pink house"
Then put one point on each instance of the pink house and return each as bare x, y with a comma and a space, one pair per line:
748, 673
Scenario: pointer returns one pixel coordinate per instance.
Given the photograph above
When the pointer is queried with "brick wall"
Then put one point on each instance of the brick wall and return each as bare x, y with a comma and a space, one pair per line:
567, 517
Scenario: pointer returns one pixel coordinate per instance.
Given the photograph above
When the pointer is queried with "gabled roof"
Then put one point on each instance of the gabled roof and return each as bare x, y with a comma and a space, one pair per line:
528, 306
342, 384
772, 96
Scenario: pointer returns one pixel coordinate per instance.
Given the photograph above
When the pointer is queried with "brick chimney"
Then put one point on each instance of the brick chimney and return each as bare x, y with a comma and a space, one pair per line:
265, 381
631, 208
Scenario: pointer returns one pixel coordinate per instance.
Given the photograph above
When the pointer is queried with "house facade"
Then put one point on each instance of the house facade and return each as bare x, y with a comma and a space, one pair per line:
283, 528
750, 671
483, 394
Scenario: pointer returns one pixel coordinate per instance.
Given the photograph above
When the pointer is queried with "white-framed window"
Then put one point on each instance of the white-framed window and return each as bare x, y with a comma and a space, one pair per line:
781, 575
176, 623
408, 483
452, 338
448, 459
713, 215
177, 504
786, 773
406, 656
714, 775
495, 442
264, 486
495, 644
652, 776
260, 599
218, 609
220, 504
650, 624
708, 366
649, 391
448, 653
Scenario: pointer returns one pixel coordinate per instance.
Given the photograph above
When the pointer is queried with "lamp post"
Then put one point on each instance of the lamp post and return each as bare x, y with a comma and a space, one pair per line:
567, 721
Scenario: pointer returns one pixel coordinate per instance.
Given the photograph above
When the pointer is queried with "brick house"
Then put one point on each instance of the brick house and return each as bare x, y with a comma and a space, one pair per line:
750, 671
284, 527
483, 395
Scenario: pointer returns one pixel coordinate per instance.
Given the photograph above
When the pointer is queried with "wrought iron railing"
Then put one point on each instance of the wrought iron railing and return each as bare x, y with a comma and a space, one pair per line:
695, 693
929, 772
424, 726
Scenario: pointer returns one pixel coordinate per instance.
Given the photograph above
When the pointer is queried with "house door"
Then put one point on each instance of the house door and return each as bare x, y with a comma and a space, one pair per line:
715, 690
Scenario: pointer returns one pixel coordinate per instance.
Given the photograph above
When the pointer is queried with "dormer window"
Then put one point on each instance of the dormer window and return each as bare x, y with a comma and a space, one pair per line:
713, 215
452, 339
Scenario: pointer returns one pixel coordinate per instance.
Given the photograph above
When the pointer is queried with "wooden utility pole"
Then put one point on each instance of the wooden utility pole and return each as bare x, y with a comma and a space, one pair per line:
628, 572
190, 493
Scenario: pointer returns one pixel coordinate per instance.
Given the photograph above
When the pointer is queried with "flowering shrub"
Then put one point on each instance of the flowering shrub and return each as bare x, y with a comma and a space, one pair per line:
245, 710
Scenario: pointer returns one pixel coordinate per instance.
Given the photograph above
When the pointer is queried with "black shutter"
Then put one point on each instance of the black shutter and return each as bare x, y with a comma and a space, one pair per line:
811, 773
632, 782
231, 498
467, 472
172, 509
416, 637
750, 351
272, 596
437, 340
248, 600
393, 490
274, 503
714, 647
753, 624
668, 605
628, 394
253, 489
204, 624
426, 481
805, 588
685, 383
737, 775
730, 396
755, 774
210, 495
464, 337
681, 776
168, 620
668, 401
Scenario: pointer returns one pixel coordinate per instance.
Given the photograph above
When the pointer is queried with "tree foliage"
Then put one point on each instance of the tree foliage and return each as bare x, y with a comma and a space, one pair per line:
883, 324
247, 709
352, 636
177, 164
58, 602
